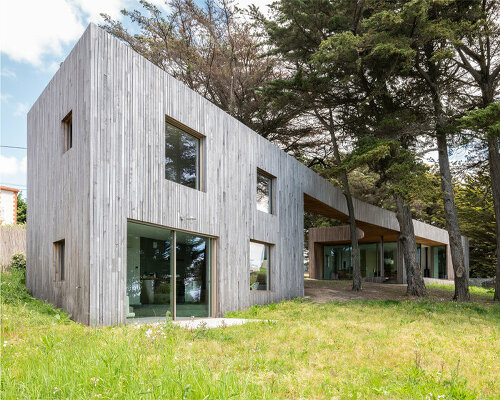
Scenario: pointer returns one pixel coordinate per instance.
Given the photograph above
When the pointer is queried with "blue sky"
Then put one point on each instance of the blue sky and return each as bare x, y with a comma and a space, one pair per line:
36, 36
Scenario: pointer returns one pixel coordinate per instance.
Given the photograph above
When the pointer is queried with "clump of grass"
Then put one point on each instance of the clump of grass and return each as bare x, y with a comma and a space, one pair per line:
354, 350
15, 294
476, 290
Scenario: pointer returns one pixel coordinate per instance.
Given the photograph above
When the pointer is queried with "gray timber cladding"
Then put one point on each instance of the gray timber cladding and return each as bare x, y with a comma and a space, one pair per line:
115, 173
59, 185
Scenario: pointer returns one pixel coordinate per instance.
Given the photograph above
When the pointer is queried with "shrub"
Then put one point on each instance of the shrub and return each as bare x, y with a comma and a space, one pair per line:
18, 261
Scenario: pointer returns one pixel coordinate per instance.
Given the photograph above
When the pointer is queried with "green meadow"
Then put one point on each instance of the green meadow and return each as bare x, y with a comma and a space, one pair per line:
301, 350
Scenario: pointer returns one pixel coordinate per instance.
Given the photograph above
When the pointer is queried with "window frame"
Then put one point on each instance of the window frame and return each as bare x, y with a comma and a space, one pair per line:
269, 265
60, 260
271, 179
200, 162
67, 127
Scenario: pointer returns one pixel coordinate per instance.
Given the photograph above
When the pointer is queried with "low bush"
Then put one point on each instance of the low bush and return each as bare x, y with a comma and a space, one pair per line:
18, 261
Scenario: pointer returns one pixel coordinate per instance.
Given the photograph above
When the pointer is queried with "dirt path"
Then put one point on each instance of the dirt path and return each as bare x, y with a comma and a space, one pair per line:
325, 291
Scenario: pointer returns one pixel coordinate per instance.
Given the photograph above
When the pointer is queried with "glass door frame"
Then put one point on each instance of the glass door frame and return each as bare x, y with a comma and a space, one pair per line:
211, 274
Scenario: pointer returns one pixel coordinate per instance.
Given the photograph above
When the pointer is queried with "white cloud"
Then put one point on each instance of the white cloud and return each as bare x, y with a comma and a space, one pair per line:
7, 73
12, 165
4, 97
24, 165
39, 29
21, 109
33, 29
261, 4
93, 8
160, 4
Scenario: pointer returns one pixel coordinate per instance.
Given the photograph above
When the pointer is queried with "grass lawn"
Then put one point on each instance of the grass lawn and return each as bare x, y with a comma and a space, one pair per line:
341, 350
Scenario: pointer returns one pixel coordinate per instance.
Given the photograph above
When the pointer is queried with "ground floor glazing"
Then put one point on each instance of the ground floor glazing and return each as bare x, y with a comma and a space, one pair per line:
380, 260
168, 273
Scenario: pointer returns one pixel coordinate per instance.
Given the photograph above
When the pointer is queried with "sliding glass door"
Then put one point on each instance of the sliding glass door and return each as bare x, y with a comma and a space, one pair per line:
154, 257
192, 275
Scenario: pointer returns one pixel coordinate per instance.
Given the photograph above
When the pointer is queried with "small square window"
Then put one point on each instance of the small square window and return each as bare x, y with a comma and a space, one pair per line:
67, 123
259, 266
264, 192
59, 260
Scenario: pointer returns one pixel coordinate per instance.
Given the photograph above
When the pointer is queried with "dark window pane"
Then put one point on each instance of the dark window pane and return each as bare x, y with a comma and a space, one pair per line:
264, 193
68, 131
181, 156
149, 270
391, 260
193, 270
59, 260
337, 262
440, 270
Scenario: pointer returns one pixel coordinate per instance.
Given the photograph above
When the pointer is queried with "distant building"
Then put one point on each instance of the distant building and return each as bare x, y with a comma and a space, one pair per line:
8, 205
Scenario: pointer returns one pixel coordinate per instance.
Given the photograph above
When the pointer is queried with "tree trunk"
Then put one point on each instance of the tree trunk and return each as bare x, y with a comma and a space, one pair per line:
356, 268
494, 161
416, 286
450, 212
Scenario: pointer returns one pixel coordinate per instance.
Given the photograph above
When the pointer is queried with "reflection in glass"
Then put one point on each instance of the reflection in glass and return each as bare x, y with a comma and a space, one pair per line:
193, 270
152, 257
148, 270
181, 156
390, 261
259, 266
369, 260
337, 262
440, 271
264, 193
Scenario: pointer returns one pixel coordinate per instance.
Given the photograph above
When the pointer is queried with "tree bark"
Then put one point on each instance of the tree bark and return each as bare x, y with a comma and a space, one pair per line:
416, 286
494, 161
450, 212
356, 268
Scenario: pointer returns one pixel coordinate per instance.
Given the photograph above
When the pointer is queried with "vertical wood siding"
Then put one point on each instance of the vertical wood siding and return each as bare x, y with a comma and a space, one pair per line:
58, 186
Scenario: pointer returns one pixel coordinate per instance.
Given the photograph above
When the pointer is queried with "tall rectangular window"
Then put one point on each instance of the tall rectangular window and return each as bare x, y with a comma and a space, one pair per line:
59, 260
182, 156
259, 266
68, 131
264, 192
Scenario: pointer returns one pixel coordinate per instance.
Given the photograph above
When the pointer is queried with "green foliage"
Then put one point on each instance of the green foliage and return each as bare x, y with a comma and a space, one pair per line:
18, 261
21, 209
484, 122
396, 166
474, 202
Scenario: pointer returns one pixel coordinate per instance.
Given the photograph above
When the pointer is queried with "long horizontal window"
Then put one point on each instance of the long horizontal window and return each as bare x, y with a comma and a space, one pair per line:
182, 156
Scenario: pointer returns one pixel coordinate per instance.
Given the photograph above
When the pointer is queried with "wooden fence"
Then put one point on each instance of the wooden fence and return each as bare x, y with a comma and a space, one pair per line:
12, 240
